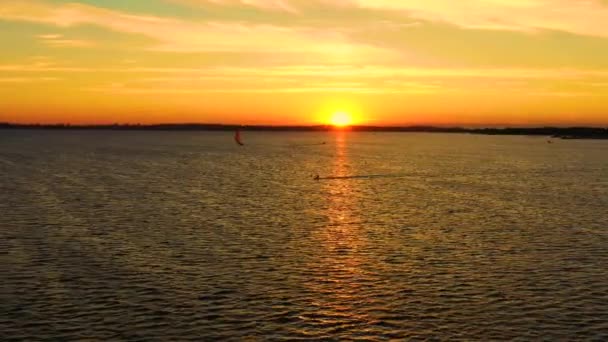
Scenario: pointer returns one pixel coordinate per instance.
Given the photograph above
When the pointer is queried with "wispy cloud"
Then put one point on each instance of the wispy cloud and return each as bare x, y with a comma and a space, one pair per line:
327, 29
27, 79
324, 88
49, 36
584, 17
179, 35
43, 67
279, 5
296, 72
58, 40
353, 80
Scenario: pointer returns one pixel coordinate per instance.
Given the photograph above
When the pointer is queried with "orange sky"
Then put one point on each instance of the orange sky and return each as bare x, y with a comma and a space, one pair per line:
482, 62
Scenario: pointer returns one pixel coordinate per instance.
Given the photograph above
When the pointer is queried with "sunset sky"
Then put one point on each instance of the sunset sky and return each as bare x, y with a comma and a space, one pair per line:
389, 62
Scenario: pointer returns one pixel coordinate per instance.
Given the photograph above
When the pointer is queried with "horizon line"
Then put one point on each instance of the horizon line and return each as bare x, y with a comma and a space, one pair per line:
498, 129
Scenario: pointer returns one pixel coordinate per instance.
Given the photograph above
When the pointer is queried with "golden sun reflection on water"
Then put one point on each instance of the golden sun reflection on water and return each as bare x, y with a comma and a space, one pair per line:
341, 267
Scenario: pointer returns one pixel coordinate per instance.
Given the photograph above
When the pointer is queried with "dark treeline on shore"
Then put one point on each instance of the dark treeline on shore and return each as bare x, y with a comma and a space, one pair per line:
556, 132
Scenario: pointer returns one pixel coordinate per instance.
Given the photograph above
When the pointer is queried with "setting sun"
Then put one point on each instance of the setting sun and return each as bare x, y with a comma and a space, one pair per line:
341, 119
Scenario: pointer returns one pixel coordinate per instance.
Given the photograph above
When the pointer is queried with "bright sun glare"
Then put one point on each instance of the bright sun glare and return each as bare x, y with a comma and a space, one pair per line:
340, 119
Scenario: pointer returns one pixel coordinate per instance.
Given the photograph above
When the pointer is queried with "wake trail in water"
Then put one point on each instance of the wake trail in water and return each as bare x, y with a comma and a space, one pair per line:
308, 145
362, 177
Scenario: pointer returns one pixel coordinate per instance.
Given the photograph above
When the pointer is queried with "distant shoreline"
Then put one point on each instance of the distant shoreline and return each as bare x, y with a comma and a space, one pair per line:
554, 132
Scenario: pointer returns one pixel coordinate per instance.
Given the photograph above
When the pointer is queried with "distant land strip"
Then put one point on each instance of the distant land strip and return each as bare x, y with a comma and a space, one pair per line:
555, 132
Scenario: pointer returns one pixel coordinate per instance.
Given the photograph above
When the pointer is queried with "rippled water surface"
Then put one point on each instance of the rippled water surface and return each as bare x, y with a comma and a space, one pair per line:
187, 236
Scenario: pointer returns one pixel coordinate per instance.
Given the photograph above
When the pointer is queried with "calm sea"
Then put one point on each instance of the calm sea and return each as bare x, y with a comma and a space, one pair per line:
186, 236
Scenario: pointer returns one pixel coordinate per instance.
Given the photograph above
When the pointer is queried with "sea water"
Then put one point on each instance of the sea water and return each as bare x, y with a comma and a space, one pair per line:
187, 236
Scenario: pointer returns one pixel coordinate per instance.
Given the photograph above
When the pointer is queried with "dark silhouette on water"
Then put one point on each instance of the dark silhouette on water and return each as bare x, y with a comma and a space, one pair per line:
237, 137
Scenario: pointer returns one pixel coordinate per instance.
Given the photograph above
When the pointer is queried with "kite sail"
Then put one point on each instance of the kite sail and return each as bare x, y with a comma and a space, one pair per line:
237, 137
